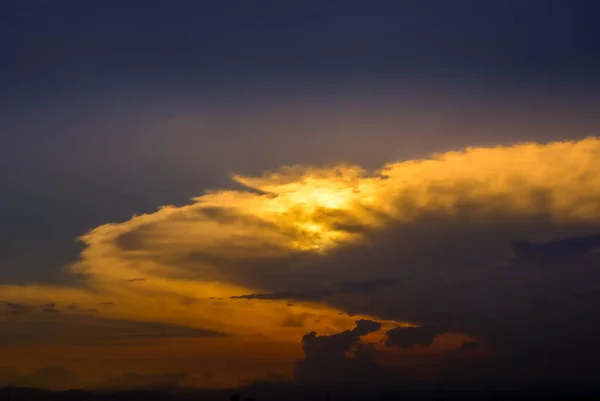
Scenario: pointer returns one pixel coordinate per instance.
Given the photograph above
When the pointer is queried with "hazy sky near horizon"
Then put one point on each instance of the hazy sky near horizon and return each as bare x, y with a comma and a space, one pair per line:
111, 110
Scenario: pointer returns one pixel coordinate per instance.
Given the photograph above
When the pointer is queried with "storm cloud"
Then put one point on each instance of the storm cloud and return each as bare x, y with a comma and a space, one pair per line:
462, 241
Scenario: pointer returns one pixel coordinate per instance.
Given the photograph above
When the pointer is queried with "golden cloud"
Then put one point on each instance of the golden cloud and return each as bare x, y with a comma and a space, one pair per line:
181, 265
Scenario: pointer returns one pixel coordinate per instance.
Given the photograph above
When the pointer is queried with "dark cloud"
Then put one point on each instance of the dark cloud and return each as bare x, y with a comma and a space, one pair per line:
407, 337
313, 295
457, 273
136, 279
345, 287
558, 252
68, 328
13, 309
335, 346
326, 357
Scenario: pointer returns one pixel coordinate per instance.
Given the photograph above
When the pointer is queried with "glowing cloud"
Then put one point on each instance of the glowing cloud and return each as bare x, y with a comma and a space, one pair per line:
181, 265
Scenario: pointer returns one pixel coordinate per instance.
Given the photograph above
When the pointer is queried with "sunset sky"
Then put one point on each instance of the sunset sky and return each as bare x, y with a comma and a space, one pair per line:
213, 194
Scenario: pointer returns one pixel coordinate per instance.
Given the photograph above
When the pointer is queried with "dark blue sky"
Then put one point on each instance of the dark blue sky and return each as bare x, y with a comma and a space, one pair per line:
75, 44
112, 108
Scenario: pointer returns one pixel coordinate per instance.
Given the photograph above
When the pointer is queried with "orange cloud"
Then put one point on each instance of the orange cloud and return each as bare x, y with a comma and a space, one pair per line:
182, 265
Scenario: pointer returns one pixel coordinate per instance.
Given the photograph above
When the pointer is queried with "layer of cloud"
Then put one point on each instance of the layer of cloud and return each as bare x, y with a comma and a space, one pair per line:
345, 287
467, 236
49, 323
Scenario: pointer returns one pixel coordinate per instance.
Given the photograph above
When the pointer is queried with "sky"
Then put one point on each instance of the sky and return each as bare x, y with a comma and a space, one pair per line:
210, 195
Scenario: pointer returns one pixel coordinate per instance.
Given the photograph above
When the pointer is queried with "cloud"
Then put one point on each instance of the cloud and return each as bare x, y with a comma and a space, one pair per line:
406, 337
446, 228
335, 346
326, 359
85, 327
558, 252
345, 287
313, 295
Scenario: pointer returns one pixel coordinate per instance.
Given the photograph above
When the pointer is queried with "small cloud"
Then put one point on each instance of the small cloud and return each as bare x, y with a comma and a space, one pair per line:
136, 279
407, 337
